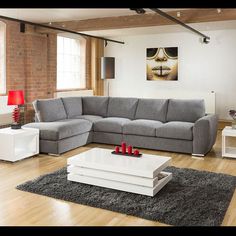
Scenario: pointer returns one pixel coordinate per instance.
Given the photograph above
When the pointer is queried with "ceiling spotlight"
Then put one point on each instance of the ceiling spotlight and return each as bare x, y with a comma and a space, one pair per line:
206, 40
218, 10
138, 10
178, 14
50, 23
22, 27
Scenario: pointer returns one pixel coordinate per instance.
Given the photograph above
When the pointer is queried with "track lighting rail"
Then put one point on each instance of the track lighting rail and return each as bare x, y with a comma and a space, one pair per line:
205, 37
57, 28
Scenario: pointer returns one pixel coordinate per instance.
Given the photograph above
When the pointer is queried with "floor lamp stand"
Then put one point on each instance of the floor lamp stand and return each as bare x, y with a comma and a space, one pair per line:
108, 87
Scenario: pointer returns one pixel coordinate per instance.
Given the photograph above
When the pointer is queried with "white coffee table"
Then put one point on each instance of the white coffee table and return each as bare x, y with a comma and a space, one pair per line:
131, 174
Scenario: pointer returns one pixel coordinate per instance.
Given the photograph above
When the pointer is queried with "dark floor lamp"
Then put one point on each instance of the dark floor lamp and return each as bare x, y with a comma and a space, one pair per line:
107, 69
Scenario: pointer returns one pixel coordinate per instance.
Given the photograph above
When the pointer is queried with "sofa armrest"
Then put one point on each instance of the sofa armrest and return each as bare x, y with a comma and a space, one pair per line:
204, 134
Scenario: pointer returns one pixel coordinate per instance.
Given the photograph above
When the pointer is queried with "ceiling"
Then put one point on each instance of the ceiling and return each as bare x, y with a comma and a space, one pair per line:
45, 15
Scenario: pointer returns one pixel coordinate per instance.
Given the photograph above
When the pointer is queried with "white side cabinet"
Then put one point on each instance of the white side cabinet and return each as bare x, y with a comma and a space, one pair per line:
228, 151
17, 144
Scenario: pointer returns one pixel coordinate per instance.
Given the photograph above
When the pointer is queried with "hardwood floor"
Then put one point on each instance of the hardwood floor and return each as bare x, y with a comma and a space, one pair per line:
18, 208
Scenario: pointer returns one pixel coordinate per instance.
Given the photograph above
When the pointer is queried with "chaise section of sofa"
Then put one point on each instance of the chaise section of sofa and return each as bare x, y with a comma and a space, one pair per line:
59, 130
162, 124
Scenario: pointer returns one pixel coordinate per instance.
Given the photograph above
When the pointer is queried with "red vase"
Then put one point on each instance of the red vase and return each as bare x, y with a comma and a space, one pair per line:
123, 147
136, 152
117, 149
130, 150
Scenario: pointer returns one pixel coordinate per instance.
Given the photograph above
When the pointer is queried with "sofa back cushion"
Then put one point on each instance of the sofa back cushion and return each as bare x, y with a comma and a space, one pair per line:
122, 107
95, 105
73, 106
50, 110
185, 110
152, 109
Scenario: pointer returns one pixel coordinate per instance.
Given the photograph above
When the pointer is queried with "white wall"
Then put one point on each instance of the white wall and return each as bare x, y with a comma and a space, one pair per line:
201, 67
5, 111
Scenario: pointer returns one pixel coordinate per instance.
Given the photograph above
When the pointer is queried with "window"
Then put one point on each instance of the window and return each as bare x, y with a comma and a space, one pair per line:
2, 58
70, 63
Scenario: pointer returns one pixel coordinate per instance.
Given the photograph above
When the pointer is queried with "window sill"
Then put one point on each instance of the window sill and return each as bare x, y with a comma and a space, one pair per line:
68, 90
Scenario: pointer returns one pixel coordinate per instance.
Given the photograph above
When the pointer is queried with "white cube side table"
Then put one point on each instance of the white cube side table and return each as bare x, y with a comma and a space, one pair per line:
17, 144
228, 151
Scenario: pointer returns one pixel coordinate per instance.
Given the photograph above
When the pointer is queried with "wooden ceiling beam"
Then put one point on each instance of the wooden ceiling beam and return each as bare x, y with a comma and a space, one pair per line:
186, 16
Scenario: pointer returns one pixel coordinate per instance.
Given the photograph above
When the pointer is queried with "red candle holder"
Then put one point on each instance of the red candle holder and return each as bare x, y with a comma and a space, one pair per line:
117, 149
136, 152
123, 147
129, 153
129, 149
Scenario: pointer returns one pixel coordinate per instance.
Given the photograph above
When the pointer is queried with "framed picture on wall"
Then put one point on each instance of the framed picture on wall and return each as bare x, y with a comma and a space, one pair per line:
162, 63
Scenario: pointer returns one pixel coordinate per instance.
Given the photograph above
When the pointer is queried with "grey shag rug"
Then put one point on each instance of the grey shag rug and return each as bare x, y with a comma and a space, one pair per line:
191, 198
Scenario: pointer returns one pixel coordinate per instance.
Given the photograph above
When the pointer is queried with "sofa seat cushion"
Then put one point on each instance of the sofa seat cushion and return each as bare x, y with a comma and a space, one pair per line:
61, 129
176, 130
90, 118
142, 127
110, 125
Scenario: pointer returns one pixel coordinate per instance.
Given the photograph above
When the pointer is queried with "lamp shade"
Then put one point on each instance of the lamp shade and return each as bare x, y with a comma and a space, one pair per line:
15, 97
107, 68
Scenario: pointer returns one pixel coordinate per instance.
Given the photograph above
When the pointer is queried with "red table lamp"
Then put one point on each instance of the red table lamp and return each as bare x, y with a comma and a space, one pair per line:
16, 97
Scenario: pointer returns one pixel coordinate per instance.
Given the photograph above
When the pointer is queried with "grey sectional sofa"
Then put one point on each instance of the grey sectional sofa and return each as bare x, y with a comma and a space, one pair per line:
161, 124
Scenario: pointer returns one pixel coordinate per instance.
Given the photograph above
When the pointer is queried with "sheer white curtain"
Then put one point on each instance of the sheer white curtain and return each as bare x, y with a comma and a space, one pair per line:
2, 57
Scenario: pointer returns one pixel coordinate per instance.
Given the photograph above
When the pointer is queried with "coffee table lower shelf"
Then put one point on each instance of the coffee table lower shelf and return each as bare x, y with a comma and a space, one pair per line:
123, 186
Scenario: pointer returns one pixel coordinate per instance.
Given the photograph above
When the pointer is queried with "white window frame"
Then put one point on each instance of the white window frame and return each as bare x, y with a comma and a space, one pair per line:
77, 37
3, 55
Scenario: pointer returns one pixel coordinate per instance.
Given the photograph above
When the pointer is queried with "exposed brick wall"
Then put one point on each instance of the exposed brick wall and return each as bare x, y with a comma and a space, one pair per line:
31, 64
40, 70
15, 59
52, 64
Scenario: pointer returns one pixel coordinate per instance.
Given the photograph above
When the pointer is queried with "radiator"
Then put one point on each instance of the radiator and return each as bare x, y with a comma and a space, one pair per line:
208, 96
